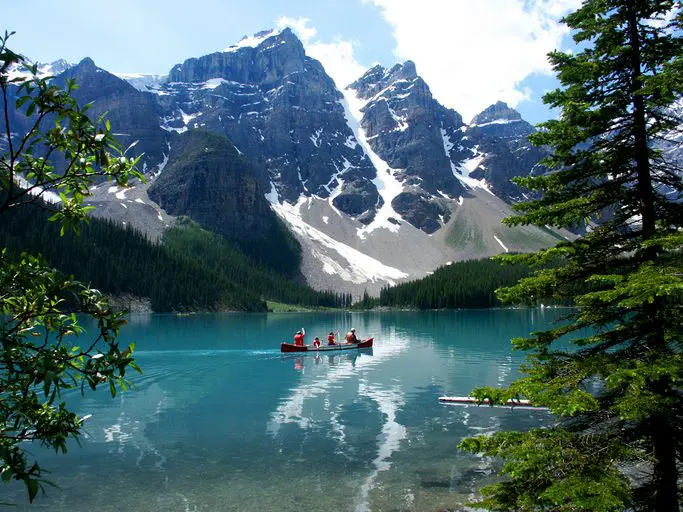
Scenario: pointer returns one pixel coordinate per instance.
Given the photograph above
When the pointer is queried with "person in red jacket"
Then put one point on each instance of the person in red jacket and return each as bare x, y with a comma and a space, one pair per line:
351, 336
316, 342
299, 337
330, 339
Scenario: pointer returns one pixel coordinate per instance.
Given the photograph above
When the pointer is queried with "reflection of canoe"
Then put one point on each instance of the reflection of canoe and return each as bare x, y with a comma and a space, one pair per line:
290, 347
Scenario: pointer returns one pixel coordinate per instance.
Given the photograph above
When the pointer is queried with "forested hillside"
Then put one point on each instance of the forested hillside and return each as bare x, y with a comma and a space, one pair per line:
467, 284
188, 240
193, 270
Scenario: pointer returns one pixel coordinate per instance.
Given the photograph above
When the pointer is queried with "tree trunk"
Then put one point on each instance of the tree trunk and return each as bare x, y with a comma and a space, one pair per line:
665, 475
642, 154
662, 434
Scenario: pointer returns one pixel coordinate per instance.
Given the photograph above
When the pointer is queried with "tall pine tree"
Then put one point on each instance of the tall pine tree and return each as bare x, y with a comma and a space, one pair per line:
617, 393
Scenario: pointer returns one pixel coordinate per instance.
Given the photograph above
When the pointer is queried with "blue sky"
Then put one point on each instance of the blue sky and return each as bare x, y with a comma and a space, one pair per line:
471, 52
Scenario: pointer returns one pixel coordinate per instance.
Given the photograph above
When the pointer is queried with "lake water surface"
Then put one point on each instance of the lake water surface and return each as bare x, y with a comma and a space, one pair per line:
220, 420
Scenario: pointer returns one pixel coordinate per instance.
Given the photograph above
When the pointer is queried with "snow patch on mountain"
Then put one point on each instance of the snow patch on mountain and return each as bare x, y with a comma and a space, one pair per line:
37, 191
144, 82
463, 171
497, 121
350, 142
468, 166
447, 147
401, 122
471, 164
272, 196
251, 42
358, 267
387, 185
212, 83
315, 138
501, 243
42, 71
189, 117
163, 163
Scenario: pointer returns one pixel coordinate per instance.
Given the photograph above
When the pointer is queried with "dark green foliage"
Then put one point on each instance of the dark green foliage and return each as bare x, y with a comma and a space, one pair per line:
118, 260
466, 284
618, 394
193, 270
56, 148
188, 240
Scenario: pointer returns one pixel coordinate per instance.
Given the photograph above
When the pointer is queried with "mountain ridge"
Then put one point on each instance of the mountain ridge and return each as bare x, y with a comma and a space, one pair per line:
379, 182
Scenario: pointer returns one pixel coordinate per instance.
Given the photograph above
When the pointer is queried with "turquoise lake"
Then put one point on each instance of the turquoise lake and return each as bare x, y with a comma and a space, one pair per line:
221, 420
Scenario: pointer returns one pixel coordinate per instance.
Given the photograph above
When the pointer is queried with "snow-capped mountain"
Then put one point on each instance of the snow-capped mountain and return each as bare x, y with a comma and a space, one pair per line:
283, 112
417, 142
133, 114
43, 69
378, 182
502, 150
145, 82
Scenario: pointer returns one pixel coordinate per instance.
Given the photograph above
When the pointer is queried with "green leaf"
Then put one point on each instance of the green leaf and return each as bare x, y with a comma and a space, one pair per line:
33, 487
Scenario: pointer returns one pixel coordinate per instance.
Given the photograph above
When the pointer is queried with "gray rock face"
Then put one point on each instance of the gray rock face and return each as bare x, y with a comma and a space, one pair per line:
422, 210
415, 135
133, 114
498, 113
500, 139
281, 110
208, 181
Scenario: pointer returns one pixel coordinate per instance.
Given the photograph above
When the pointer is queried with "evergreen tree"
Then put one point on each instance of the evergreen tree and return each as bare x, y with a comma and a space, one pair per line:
618, 392
465, 284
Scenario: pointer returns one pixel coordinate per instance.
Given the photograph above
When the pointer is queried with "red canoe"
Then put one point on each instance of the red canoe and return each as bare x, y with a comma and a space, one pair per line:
290, 347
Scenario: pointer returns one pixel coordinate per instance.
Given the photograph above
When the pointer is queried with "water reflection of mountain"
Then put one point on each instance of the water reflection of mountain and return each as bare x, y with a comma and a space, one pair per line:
221, 416
391, 398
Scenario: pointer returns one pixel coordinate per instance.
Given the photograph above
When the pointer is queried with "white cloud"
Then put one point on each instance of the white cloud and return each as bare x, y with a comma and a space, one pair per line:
337, 57
474, 52
298, 25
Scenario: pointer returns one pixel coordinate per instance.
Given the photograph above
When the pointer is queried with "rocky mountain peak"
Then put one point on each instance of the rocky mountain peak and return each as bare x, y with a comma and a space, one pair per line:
370, 83
268, 39
264, 58
43, 70
405, 71
499, 111
54, 68
134, 113
92, 78
283, 112
377, 71
86, 65
287, 34
417, 138
378, 78
502, 150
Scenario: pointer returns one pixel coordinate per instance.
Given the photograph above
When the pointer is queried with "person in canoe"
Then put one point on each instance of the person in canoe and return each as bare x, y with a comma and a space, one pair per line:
330, 339
316, 342
299, 337
351, 336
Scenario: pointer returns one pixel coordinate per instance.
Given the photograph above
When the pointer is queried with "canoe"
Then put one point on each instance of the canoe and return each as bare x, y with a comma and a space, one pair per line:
290, 347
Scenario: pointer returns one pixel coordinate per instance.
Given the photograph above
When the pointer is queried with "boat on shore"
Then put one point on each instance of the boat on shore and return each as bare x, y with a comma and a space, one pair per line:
517, 403
291, 347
